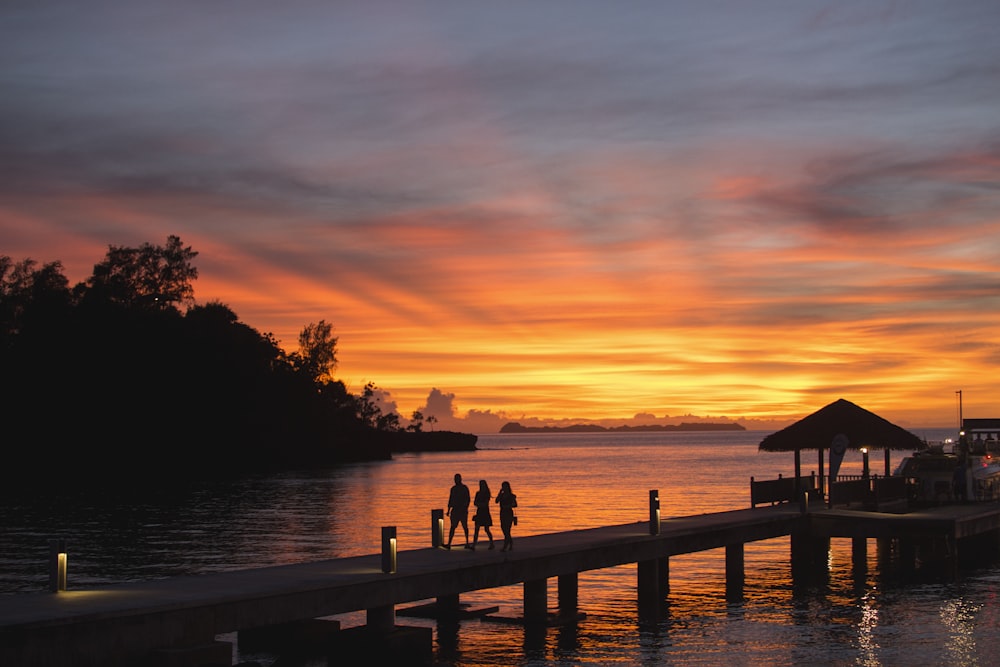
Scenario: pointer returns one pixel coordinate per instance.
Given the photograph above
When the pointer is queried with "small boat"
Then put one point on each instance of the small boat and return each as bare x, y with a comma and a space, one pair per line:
940, 474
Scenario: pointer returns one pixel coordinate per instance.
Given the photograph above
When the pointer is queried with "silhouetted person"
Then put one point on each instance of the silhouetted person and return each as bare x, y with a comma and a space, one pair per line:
958, 482
482, 517
507, 501
458, 510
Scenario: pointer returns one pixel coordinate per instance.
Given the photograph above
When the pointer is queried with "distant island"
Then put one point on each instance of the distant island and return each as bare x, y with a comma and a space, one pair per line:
428, 441
515, 427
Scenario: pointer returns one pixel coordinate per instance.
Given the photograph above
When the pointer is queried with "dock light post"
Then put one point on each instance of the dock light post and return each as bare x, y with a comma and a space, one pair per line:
57, 565
389, 549
437, 528
864, 465
654, 512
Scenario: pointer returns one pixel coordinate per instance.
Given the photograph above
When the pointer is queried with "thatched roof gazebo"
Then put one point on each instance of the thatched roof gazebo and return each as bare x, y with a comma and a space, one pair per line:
844, 425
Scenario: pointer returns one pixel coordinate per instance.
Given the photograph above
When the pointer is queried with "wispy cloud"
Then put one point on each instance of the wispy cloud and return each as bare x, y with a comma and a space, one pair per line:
701, 208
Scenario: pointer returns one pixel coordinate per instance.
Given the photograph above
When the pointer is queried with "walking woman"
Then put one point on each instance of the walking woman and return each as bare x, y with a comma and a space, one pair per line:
482, 518
507, 501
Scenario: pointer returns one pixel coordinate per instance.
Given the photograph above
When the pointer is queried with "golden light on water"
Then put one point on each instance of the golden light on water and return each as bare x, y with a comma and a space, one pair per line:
867, 626
959, 617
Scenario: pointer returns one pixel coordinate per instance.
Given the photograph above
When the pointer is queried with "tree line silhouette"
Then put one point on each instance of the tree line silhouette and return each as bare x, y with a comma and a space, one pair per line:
123, 375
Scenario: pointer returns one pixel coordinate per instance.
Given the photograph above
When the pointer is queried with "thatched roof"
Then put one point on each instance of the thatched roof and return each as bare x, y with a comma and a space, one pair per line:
861, 427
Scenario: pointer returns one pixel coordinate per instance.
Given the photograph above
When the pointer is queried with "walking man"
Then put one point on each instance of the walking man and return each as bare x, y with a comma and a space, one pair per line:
458, 510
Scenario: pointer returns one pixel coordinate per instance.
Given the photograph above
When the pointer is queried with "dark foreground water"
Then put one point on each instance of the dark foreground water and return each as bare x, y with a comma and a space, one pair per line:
563, 481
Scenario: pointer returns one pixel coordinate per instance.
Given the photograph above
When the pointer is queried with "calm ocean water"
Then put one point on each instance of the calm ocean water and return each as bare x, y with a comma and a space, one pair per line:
563, 481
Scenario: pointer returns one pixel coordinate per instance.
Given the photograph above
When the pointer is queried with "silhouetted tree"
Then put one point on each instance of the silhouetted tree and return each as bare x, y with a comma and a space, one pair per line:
416, 422
371, 414
153, 277
93, 375
30, 294
317, 355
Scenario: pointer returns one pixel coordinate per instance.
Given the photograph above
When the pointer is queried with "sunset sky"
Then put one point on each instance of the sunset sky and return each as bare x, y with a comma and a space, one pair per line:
544, 210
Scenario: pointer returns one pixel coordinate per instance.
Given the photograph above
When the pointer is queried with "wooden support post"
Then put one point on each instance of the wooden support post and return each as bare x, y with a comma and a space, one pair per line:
801, 556
664, 576
734, 571
822, 476
859, 557
883, 552
859, 552
569, 594
810, 554
381, 621
648, 586
907, 555
448, 606
536, 602
951, 557
798, 471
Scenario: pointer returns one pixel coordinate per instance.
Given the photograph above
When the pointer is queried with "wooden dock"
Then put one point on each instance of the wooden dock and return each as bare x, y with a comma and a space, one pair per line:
175, 621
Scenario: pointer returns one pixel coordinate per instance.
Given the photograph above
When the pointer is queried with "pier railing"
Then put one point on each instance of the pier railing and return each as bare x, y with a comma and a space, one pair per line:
871, 492
781, 490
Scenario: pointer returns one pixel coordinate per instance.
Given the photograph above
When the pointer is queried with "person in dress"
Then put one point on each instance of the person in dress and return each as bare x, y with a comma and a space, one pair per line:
482, 517
507, 501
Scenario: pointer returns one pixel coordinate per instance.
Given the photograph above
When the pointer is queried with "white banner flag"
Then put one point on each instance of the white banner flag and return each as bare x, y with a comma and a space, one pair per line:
837, 449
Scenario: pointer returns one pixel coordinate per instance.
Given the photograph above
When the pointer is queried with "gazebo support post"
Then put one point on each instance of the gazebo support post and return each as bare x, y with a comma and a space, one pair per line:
798, 471
822, 476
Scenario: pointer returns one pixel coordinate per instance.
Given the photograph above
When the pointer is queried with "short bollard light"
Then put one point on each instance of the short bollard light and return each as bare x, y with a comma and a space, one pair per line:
57, 565
389, 549
865, 471
437, 528
654, 512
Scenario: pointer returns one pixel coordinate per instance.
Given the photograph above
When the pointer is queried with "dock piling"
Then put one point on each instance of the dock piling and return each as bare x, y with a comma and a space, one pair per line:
536, 602
649, 589
381, 620
734, 571
568, 594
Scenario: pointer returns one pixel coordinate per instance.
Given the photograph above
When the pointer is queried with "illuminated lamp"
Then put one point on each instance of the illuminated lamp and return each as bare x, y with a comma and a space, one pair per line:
654, 512
437, 528
57, 565
389, 549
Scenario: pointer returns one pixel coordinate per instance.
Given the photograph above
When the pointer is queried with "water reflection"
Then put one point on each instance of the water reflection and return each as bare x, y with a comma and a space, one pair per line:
868, 624
958, 617
867, 615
